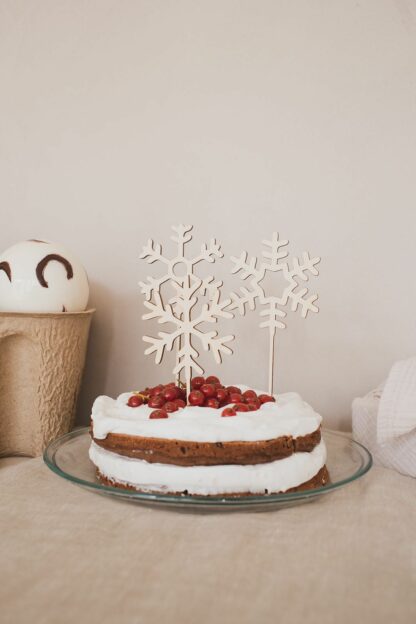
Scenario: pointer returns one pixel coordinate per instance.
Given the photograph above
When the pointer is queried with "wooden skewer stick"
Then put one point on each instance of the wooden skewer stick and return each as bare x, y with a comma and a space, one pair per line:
272, 334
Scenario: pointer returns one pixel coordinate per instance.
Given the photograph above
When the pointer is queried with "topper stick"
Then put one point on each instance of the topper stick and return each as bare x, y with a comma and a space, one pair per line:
272, 334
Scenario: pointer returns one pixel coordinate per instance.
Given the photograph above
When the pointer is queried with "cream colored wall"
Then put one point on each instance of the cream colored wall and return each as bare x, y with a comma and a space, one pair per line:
120, 118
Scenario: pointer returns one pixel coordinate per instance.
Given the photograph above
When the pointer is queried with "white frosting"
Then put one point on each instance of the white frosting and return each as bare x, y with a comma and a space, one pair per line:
276, 476
290, 415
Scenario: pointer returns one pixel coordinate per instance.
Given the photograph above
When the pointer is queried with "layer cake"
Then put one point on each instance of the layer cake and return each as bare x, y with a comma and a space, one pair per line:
195, 450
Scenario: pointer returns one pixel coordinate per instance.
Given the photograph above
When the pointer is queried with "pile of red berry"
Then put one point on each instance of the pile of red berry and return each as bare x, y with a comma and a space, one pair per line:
209, 392
164, 398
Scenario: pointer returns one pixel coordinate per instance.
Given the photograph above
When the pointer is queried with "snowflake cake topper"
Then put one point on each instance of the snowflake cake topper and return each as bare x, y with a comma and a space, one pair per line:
293, 294
194, 301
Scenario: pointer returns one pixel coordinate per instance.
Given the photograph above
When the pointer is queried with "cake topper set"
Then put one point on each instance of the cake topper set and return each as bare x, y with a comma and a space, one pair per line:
194, 300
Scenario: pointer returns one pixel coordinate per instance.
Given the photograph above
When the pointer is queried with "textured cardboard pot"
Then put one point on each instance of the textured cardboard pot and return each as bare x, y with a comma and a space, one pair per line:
42, 358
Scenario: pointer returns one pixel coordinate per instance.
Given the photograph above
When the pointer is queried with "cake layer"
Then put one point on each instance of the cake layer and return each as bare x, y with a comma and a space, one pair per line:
319, 480
185, 453
289, 416
276, 476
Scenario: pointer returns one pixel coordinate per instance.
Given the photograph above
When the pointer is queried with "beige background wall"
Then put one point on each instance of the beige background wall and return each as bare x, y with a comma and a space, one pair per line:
120, 118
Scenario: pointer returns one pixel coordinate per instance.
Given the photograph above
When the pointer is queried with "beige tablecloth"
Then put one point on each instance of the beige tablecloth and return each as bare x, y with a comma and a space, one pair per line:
68, 555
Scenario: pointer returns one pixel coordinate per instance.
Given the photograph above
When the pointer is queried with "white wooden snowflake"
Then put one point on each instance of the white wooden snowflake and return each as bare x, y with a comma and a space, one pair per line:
292, 294
185, 311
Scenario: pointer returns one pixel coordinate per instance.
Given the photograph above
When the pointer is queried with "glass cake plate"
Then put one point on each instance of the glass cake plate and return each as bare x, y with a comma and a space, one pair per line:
347, 461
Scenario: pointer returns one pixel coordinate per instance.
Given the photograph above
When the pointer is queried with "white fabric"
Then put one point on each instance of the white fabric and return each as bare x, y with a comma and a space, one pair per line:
385, 419
397, 410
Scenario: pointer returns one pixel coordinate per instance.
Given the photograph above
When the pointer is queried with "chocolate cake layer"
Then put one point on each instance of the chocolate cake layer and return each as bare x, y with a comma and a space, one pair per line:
319, 480
184, 453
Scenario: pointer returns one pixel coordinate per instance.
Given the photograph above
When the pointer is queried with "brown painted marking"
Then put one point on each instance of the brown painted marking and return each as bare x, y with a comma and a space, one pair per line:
35, 240
52, 258
5, 266
63, 308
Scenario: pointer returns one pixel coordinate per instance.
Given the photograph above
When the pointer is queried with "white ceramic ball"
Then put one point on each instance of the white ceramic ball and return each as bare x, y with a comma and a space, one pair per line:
39, 276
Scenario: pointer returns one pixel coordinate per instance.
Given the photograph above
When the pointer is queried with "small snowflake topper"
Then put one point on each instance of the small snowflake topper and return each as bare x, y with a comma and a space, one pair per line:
292, 294
195, 301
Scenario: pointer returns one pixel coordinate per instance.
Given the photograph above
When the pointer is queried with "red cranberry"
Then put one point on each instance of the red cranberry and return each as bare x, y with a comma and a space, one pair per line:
180, 403
250, 394
212, 379
229, 411
253, 407
233, 389
160, 413
171, 393
208, 390
197, 382
170, 406
156, 390
171, 384
214, 403
135, 401
235, 397
157, 401
222, 395
241, 407
266, 398
196, 397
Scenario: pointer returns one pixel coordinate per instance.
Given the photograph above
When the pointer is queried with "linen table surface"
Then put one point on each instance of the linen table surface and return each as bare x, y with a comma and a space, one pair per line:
69, 555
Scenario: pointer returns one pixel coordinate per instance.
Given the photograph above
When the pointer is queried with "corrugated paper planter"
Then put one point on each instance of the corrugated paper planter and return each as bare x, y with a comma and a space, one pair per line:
42, 359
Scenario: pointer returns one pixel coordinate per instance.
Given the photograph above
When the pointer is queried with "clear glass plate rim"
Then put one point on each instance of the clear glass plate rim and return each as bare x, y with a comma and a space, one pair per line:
53, 447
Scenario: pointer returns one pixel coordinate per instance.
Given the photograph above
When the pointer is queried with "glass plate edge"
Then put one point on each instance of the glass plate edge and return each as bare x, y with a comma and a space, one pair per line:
244, 501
